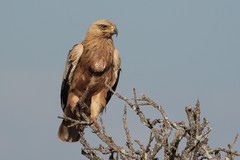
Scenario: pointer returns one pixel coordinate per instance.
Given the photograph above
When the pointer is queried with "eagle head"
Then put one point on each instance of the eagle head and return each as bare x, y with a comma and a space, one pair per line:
102, 29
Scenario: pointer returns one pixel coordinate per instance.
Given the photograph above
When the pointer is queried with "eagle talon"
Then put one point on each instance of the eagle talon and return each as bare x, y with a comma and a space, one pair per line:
96, 131
97, 127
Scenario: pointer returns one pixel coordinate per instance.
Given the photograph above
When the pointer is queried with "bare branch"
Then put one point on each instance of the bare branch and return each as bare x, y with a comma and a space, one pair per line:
102, 125
75, 122
193, 134
87, 151
129, 141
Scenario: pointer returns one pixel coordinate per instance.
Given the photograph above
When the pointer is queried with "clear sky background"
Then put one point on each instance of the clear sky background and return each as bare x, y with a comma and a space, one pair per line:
173, 51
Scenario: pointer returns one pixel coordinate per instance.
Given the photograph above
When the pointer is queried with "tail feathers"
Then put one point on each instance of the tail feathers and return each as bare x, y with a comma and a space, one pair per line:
69, 134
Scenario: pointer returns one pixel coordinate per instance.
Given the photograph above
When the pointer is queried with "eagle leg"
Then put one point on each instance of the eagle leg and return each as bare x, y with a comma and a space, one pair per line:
98, 103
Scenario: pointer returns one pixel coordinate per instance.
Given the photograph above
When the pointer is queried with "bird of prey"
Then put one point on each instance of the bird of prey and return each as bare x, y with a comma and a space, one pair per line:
92, 67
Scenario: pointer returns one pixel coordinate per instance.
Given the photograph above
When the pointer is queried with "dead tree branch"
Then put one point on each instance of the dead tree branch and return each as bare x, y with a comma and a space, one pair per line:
193, 133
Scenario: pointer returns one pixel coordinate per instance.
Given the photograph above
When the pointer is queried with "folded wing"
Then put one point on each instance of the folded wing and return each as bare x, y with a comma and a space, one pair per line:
72, 61
116, 74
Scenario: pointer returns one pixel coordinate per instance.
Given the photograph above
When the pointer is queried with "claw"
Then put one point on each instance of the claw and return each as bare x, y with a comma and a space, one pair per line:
97, 128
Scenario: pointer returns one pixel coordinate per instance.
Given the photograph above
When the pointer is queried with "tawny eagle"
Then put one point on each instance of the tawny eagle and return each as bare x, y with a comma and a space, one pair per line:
92, 65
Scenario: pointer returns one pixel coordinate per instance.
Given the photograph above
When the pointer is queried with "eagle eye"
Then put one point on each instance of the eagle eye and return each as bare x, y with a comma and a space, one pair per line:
103, 27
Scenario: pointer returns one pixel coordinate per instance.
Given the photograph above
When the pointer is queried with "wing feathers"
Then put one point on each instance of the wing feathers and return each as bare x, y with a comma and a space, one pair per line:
116, 74
72, 61
116, 63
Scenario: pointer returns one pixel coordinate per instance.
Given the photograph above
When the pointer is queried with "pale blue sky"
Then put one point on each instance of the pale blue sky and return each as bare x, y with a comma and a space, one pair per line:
172, 51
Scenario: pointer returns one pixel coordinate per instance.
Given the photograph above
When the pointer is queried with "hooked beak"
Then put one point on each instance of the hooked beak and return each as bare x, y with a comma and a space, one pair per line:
115, 31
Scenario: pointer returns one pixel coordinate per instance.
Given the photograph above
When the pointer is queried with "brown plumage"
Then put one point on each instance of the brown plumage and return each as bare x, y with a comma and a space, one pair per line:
91, 64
